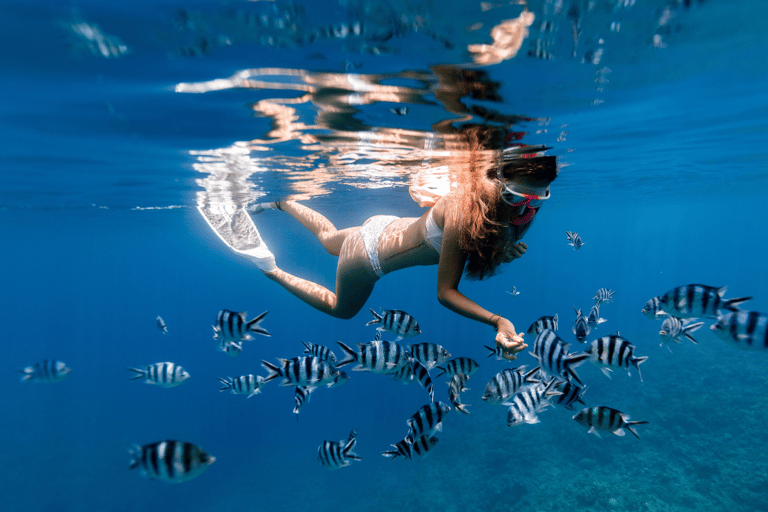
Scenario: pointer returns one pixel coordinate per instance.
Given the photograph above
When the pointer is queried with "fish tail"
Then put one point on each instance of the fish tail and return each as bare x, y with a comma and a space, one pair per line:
630, 424
350, 356
307, 348
274, 371
135, 452
348, 449
573, 361
732, 303
492, 351
140, 374
29, 373
528, 377
461, 408
253, 325
392, 454
377, 318
636, 361
442, 371
227, 383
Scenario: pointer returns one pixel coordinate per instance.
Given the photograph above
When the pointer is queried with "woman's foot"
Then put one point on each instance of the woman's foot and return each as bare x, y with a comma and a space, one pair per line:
274, 205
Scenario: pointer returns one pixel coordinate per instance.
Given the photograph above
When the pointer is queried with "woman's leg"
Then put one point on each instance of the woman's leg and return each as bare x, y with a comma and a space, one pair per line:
331, 238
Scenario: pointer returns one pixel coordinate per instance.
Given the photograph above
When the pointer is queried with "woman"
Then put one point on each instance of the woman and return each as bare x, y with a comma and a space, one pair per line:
471, 231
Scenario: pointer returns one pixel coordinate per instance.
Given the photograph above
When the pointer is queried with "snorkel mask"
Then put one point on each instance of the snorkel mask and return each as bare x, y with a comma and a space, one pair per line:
528, 200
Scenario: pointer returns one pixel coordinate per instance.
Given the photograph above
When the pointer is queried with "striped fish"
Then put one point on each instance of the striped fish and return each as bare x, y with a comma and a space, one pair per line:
320, 351
244, 385
697, 300
508, 382
545, 322
377, 356
593, 320
455, 387
747, 330
652, 309
418, 449
161, 325
415, 371
427, 420
554, 358
569, 395
513, 292
581, 327
308, 371
45, 371
613, 351
396, 322
463, 365
673, 328
233, 326
300, 397
605, 418
231, 348
603, 295
498, 352
574, 240
166, 375
526, 403
338, 454
429, 354
170, 461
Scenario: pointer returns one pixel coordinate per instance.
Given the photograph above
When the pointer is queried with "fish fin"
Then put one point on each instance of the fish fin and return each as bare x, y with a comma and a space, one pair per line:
721, 291
135, 452
593, 430
227, 384
274, 371
140, 374
636, 361
732, 303
607, 372
215, 332
601, 320
630, 424
531, 419
377, 318
350, 356
619, 432
442, 371
258, 391
253, 325
492, 351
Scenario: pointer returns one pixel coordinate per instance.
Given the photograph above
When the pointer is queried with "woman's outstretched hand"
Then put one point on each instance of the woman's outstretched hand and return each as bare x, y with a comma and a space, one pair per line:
510, 342
514, 251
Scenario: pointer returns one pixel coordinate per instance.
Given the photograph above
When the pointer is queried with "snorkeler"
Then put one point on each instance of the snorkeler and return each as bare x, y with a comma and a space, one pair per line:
469, 231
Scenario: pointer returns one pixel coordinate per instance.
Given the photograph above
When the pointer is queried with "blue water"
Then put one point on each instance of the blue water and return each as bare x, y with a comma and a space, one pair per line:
661, 143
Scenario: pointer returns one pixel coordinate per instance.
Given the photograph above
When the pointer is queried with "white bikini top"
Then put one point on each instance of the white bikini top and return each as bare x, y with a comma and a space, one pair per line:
434, 233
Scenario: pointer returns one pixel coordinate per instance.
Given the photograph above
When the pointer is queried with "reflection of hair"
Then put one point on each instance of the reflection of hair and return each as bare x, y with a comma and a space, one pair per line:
486, 231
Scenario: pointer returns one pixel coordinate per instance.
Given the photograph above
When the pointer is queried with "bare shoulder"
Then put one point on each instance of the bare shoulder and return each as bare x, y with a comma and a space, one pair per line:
442, 209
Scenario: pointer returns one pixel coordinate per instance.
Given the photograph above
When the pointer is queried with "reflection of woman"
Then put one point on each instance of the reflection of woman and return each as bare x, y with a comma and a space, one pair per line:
470, 231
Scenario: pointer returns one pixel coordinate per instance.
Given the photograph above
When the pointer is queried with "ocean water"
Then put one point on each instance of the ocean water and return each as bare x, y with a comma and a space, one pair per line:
118, 117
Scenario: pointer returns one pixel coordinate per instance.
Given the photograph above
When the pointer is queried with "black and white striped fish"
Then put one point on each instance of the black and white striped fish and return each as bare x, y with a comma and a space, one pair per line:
161, 325
231, 348
508, 382
697, 300
308, 371
418, 449
593, 320
652, 309
513, 292
320, 351
429, 354
526, 403
301, 396
747, 330
569, 395
166, 374
414, 370
170, 461
607, 419
574, 240
545, 322
613, 351
377, 356
396, 322
338, 454
45, 371
673, 328
463, 365
427, 420
244, 385
603, 295
581, 327
455, 387
233, 326
554, 358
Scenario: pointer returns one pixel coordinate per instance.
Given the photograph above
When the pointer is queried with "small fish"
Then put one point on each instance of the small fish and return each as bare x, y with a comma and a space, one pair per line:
244, 385
455, 387
418, 449
378, 356
320, 351
508, 382
232, 326
170, 461
581, 326
405, 373
45, 371
574, 240
429, 354
545, 322
498, 352
594, 317
672, 328
427, 420
463, 365
697, 300
603, 295
414, 370
231, 348
652, 309
605, 418
569, 395
399, 111
161, 325
396, 322
166, 375
513, 292
526, 403
301, 396
747, 330
335, 455
554, 358
613, 351
306, 371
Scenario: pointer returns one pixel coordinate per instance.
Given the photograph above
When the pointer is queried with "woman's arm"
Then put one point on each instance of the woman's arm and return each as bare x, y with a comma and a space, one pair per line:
449, 272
